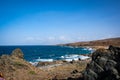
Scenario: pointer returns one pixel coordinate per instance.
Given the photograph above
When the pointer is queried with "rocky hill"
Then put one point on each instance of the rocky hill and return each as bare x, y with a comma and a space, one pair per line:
97, 43
105, 65
14, 67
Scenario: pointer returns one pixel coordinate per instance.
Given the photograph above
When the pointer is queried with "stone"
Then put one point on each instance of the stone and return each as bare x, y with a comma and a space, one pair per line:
17, 53
105, 65
90, 75
74, 71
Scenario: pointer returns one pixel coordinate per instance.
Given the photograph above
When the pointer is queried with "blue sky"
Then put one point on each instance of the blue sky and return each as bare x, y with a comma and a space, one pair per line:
42, 22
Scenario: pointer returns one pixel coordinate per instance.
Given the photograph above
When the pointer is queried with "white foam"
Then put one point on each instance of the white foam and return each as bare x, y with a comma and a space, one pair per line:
69, 46
71, 56
33, 63
85, 49
90, 49
43, 60
83, 57
68, 60
74, 57
62, 57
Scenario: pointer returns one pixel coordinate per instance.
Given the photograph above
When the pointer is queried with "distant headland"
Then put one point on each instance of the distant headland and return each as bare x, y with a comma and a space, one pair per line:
104, 43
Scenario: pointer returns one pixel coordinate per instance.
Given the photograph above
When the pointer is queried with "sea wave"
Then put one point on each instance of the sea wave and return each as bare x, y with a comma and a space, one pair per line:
68, 58
43, 60
89, 49
33, 63
74, 57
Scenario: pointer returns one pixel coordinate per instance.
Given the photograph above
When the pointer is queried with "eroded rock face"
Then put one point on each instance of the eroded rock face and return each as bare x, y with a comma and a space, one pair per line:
105, 65
17, 53
14, 67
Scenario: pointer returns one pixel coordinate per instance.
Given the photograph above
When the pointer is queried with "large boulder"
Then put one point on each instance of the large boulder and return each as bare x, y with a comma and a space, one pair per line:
90, 75
105, 65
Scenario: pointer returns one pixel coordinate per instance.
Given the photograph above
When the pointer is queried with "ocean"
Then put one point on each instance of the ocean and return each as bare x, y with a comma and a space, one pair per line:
48, 53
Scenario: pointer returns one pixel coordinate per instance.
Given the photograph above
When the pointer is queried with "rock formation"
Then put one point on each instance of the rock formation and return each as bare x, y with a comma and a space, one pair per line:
14, 67
18, 53
105, 65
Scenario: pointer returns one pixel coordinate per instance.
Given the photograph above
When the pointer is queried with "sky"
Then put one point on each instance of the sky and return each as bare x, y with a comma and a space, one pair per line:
49, 22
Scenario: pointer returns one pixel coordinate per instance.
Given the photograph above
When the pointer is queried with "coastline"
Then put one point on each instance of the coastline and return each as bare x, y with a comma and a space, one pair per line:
95, 44
13, 65
87, 47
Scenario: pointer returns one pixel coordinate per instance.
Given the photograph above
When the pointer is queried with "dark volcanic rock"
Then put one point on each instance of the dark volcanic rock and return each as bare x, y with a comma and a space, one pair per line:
105, 65
74, 71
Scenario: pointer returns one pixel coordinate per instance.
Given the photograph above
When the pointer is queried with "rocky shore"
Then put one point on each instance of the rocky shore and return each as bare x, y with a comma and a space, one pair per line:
14, 67
104, 65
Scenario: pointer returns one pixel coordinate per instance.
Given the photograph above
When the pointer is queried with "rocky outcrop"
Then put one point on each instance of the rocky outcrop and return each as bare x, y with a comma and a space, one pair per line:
105, 65
14, 67
17, 53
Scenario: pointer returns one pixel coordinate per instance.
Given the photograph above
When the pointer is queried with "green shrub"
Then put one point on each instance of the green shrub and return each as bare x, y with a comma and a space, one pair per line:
32, 72
18, 64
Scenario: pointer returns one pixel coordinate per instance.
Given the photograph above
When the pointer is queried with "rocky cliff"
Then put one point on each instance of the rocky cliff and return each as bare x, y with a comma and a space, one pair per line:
105, 65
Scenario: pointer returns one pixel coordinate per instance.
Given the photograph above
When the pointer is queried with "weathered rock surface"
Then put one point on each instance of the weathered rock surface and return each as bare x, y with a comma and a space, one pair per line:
17, 53
14, 67
105, 65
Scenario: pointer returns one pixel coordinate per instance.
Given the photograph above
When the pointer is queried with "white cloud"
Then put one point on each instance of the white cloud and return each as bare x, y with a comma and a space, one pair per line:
50, 40
29, 38
62, 38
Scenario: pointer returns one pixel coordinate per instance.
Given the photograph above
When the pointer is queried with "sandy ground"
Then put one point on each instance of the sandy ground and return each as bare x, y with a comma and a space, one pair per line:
66, 69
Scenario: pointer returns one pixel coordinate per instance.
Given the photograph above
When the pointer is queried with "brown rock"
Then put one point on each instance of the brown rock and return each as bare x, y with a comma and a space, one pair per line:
17, 53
